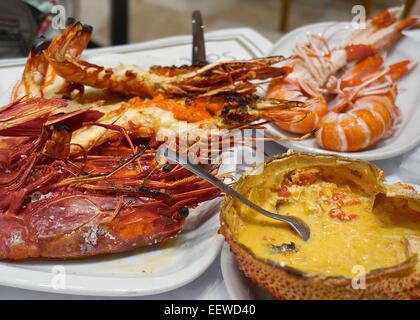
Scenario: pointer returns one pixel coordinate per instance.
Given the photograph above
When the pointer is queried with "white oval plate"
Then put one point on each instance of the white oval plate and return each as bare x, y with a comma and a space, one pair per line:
238, 286
408, 134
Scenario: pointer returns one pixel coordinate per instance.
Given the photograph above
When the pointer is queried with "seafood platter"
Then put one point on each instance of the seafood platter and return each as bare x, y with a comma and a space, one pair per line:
84, 186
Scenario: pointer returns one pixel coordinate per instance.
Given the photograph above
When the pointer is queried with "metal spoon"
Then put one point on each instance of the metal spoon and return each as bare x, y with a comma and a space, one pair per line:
297, 224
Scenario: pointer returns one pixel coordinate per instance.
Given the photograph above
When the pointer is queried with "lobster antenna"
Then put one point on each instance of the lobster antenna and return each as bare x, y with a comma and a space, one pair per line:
102, 176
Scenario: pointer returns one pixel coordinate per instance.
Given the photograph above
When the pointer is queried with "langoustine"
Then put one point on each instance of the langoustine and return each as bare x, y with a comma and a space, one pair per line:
55, 205
315, 65
365, 110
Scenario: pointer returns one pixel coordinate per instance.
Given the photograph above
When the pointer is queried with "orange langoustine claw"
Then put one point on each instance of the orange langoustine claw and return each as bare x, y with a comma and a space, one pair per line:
54, 205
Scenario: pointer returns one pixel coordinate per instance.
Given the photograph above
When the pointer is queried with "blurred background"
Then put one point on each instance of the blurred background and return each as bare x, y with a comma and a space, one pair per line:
127, 21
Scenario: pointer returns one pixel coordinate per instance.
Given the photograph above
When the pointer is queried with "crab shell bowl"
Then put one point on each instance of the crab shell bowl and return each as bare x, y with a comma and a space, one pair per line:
365, 234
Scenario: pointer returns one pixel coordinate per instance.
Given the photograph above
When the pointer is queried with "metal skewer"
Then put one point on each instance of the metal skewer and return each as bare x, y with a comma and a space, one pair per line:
199, 46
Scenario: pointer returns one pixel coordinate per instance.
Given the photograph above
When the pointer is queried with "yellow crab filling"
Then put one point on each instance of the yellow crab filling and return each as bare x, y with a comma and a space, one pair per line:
351, 232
